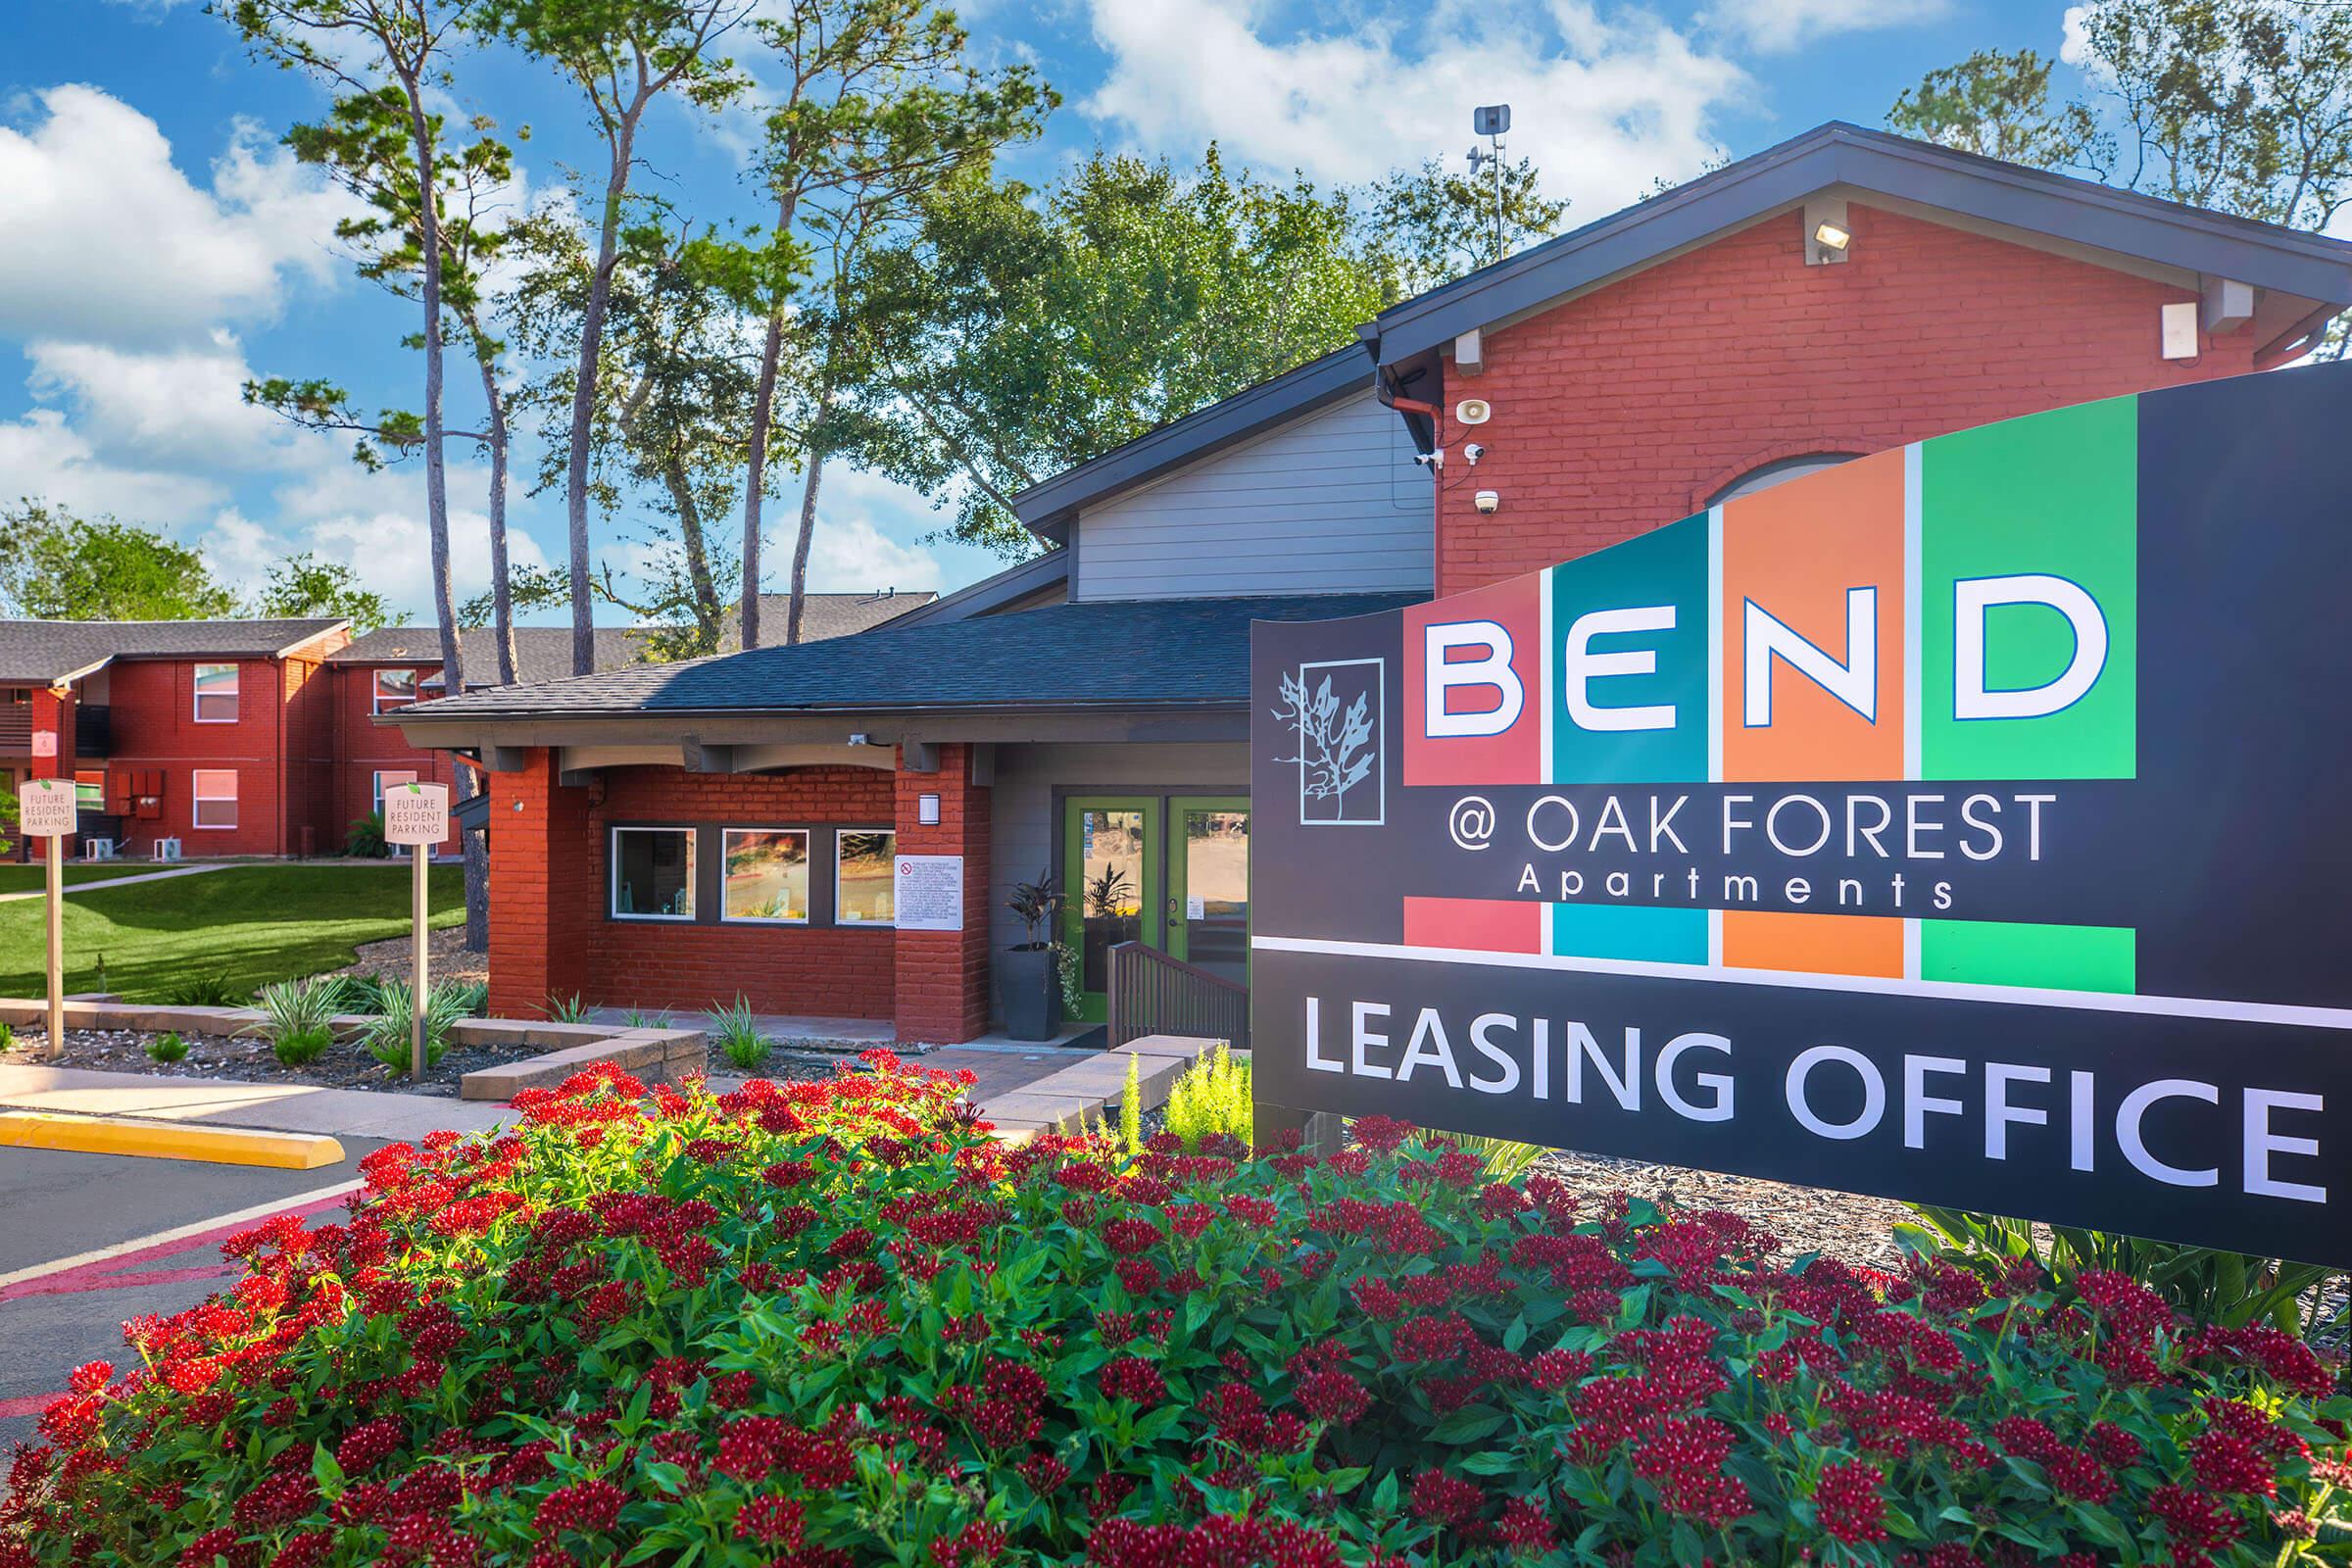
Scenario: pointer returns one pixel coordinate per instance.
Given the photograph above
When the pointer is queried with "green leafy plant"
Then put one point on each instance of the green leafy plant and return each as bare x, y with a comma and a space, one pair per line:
206, 991
869, 1326
98, 978
298, 1019
1506, 1160
167, 1047
2232, 1289
565, 1010
1034, 905
1212, 1098
8, 1037
470, 996
737, 1029
363, 840
388, 1037
358, 994
1131, 1107
1071, 968
639, 1018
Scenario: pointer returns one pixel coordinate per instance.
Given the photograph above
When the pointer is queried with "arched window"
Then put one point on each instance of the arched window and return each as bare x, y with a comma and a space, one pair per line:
1778, 472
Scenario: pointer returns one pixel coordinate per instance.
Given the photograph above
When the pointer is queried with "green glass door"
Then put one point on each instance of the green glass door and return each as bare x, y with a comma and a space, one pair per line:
1208, 883
1110, 885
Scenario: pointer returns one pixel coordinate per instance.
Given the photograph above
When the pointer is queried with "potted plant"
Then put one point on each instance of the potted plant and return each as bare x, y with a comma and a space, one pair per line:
1029, 974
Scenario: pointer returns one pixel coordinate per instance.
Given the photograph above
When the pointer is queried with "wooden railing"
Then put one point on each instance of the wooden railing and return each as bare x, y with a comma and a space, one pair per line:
1152, 994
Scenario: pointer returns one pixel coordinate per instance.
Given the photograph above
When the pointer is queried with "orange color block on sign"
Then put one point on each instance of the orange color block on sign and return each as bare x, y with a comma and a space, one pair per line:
1795, 551
1815, 944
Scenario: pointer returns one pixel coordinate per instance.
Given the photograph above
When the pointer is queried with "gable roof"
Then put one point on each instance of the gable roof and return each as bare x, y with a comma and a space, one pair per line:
1864, 163
541, 653
39, 653
2060, 207
824, 616
1036, 577
1129, 654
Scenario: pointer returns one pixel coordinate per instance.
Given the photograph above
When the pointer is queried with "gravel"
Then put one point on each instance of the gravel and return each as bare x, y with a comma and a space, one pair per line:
247, 1059
1849, 1226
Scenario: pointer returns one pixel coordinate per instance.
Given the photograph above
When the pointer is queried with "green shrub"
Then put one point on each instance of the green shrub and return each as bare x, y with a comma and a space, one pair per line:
737, 1029
364, 839
472, 997
639, 1018
565, 1010
826, 1323
167, 1047
206, 991
358, 994
388, 1034
1212, 1096
297, 1017
1131, 1107
2232, 1289
8, 1038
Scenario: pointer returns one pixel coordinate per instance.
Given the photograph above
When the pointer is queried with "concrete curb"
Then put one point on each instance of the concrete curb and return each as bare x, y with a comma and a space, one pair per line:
164, 1140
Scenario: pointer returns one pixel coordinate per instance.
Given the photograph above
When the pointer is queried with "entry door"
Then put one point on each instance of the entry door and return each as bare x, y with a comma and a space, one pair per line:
1208, 883
1110, 862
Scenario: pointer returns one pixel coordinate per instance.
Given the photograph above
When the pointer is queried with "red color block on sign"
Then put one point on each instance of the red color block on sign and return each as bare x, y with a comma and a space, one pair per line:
1479, 925
1499, 626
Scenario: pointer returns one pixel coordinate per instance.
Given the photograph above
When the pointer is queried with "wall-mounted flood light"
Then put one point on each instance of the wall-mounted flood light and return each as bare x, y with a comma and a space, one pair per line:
1831, 237
926, 809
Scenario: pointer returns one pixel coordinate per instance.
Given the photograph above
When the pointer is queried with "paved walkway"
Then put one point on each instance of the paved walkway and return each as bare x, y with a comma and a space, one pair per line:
274, 1107
104, 883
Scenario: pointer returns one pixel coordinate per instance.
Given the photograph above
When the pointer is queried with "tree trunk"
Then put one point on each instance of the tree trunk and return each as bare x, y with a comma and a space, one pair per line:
502, 598
583, 396
707, 613
813, 465
754, 485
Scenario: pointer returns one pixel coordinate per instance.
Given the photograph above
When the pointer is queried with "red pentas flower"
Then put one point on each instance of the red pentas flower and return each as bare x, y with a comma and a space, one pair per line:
1848, 1501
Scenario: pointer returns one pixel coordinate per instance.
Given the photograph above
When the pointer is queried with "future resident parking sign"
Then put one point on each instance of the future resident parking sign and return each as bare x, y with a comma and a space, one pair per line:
1969, 824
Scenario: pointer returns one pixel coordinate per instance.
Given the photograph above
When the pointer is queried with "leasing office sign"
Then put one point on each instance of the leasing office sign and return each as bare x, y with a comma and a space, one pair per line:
1965, 823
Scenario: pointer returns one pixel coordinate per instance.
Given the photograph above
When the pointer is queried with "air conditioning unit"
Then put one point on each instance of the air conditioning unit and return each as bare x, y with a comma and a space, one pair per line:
167, 848
95, 849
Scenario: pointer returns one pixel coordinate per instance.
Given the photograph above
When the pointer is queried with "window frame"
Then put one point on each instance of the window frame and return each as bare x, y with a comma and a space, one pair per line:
375, 687
80, 776
235, 694
197, 799
398, 775
842, 832
807, 836
692, 832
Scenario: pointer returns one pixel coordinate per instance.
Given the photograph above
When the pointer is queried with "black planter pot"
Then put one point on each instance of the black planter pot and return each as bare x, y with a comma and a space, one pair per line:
1032, 993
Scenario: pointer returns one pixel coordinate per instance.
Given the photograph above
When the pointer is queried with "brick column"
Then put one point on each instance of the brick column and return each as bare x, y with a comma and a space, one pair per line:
542, 888
53, 714
943, 975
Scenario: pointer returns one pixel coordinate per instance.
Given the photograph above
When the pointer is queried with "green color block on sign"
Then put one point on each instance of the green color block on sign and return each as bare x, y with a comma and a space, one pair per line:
1636, 932
2054, 958
2051, 500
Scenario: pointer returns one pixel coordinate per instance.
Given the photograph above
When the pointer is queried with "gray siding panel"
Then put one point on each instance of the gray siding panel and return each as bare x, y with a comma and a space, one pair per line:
1330, 503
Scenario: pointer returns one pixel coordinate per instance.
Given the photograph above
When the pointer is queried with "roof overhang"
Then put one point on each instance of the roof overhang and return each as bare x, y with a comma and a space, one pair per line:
1047, 507
1037, 574
2310, 274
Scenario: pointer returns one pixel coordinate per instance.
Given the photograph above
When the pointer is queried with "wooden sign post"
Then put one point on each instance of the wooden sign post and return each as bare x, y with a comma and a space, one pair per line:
416, 815
46, 810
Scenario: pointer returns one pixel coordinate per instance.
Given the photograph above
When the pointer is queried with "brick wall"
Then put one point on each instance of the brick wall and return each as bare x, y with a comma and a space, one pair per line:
1631, 407
363, 749
943, 975
548, 886
153, 704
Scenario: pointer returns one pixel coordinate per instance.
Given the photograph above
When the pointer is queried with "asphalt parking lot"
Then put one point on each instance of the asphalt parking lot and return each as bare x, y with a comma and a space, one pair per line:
89, 1242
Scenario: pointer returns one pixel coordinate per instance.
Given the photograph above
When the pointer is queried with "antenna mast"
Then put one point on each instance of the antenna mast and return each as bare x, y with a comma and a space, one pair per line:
1490, 121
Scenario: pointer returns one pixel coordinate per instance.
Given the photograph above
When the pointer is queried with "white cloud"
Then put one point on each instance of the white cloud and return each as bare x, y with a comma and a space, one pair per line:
1777, 26
851, 555
42, 456
179, 404
1604, 103
108, 241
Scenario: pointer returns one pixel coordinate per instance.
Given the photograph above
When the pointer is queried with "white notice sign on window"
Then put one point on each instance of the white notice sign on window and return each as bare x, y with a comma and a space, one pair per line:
930, 893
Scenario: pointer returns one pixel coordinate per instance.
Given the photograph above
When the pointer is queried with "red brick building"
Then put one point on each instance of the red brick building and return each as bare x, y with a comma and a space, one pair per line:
678, 837
209, 737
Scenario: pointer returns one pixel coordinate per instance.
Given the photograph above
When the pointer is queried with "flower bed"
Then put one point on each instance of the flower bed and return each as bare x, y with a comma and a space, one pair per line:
832, 1324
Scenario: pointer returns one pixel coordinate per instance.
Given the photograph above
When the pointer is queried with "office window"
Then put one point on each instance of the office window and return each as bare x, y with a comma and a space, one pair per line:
385, 778
653, 873
89, 793
215, 795
395, 688
863, 890
766, 873
216, 694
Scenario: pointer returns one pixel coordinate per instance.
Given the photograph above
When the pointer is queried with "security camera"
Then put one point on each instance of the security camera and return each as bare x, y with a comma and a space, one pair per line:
1473, 452
1487, 502
1431, 459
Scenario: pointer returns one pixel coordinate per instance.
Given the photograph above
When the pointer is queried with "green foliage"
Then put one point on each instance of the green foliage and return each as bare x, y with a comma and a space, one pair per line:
364, 839
359, 993
1034, 905
528, 588
1069, 967
1212, 1098
10, 814
737, 1030
1429, 225
565, 1010
8, 1038
639, 1018
1131, 1107
215, 990
302, 586
388, 1036
1379, 1357
2210, 1286
1507, 1160
297, 1017
168, 1048
57, 566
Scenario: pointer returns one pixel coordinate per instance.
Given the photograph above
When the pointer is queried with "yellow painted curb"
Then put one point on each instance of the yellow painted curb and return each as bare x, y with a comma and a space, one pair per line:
157, 1140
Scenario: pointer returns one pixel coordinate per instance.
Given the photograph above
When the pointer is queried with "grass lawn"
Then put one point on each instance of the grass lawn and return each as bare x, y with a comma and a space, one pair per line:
253, 923
15, 878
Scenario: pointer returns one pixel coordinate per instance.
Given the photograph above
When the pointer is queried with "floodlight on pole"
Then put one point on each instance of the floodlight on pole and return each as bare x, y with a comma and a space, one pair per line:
1490, 121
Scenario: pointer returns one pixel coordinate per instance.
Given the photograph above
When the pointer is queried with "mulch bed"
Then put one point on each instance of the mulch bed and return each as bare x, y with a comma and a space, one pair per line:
247, 1059
1859, 1230
445, 956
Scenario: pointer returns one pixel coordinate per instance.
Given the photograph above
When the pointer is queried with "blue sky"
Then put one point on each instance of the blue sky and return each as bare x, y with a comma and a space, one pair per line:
160, 246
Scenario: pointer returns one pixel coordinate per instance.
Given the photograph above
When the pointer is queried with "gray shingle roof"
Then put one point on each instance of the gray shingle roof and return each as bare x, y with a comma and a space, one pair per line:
824, 616
1186, 653
541, 653
38, 652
